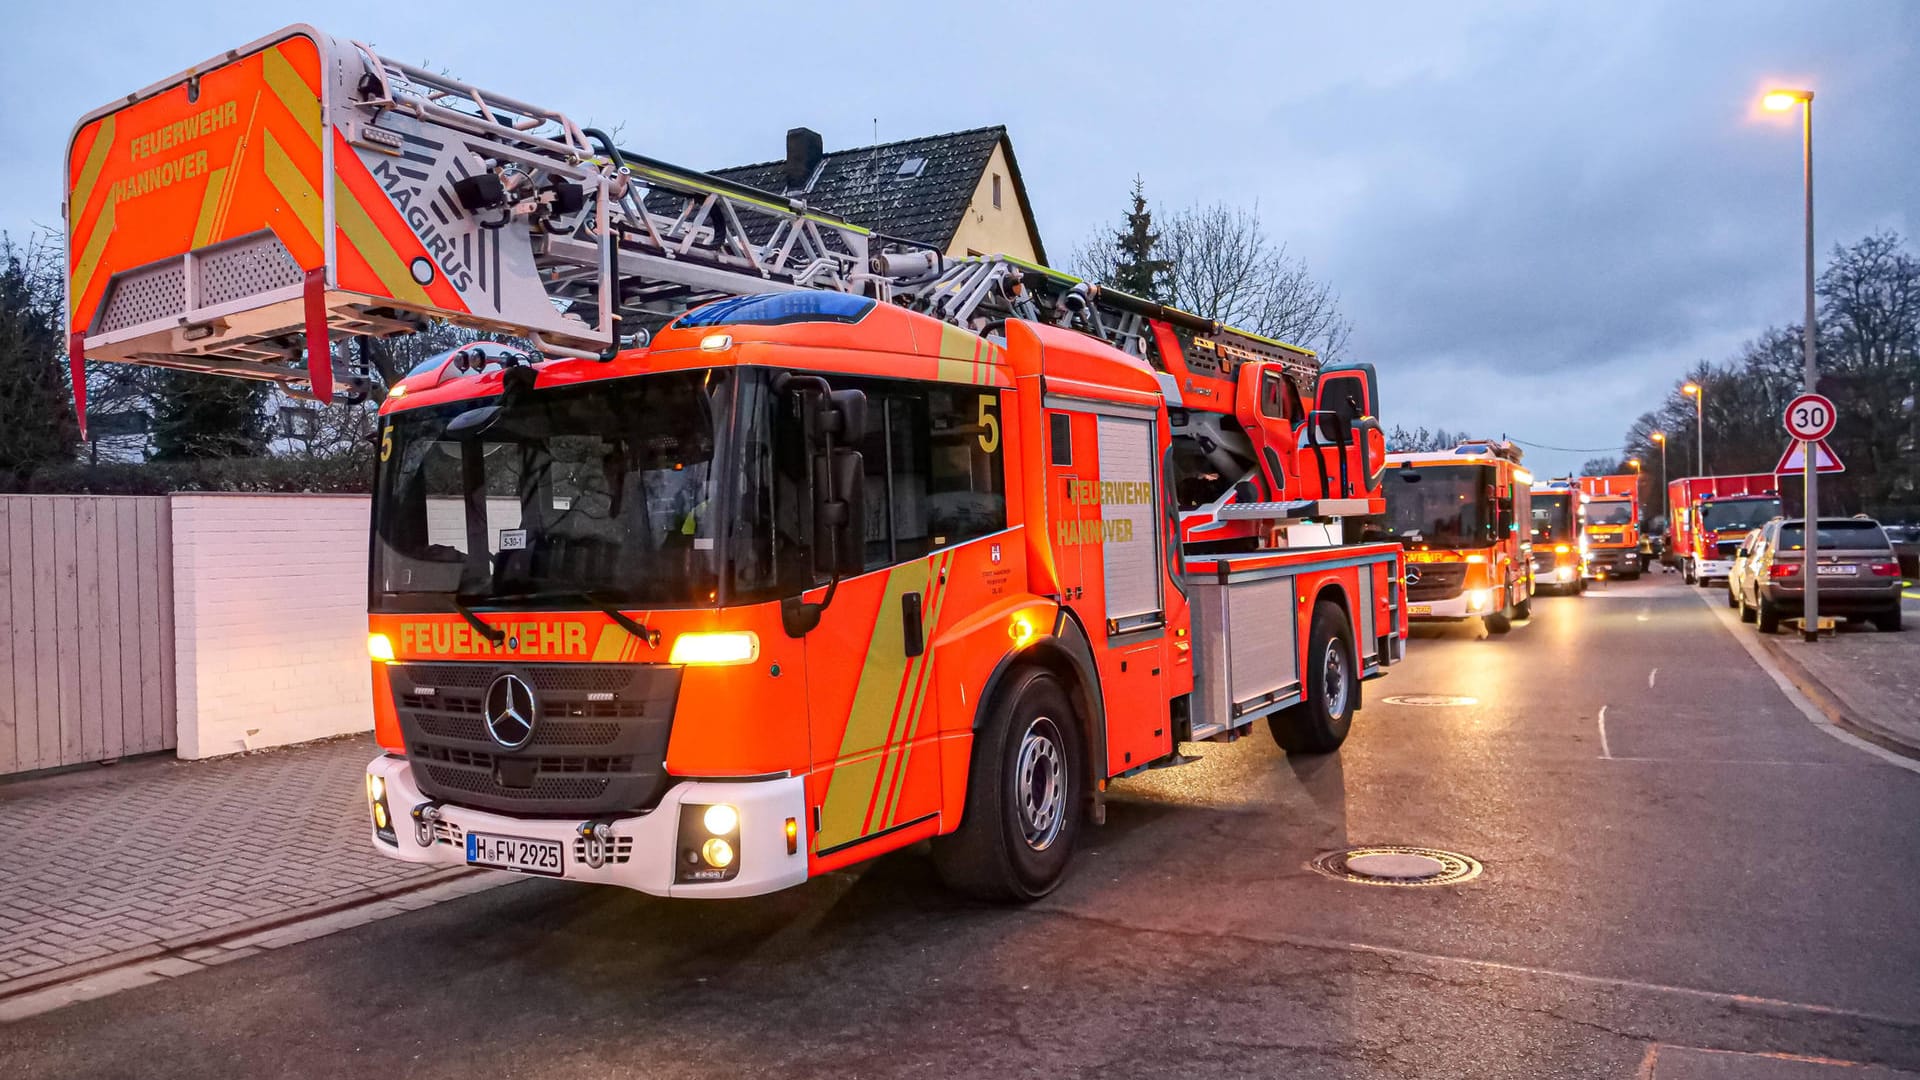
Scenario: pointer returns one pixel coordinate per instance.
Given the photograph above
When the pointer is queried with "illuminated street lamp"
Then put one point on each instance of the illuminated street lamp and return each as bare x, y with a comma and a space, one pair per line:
1783, 100
1699, 395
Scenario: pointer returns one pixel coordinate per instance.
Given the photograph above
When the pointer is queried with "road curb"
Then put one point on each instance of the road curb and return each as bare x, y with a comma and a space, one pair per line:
172, 948
1830, 704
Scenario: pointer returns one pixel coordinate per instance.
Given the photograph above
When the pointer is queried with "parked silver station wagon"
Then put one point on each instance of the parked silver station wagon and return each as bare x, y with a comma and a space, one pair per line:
1859, 577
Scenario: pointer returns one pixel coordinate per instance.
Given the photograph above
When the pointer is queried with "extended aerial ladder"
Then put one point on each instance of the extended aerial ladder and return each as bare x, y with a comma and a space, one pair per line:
305, 189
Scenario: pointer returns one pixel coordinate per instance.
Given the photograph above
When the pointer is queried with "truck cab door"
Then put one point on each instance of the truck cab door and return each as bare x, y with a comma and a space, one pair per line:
1269, 408
1342, 449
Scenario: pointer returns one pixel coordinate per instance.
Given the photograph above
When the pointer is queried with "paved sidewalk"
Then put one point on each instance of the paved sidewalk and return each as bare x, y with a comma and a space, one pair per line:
151, 854
1868, 679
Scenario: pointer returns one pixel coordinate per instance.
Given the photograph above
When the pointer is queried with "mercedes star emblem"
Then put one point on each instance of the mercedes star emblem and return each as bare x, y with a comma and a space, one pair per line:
1413, 578
510, 711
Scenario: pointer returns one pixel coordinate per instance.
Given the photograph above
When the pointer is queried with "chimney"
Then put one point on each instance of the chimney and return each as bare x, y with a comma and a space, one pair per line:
803, 157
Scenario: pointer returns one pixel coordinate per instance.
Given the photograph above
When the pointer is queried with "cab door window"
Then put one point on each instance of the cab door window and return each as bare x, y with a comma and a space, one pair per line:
934, 457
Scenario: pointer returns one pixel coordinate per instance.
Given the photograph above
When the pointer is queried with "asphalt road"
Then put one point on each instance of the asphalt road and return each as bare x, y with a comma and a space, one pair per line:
1704, 885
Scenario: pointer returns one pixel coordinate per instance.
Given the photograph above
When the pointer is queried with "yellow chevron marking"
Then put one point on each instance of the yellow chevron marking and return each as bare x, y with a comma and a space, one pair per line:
931, 622
613, 642
292, 91
292, 185
374, 247
89, 174
90, 257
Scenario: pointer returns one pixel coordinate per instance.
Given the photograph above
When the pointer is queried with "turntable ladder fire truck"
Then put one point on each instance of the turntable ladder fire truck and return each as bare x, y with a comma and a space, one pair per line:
777, 545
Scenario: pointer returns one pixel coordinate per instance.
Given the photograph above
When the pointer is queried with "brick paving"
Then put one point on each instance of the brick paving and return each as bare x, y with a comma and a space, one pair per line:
110, 860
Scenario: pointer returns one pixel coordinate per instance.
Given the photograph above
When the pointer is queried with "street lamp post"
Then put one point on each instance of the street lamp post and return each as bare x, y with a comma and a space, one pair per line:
1666, 497
1782, 101
1699, 395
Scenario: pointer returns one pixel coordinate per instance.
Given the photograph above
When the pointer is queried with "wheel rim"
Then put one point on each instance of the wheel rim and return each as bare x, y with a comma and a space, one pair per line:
1040, 782
1333, 679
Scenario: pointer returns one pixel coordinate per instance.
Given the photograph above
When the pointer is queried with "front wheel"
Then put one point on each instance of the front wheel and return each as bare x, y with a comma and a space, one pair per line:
1024, 791
1320, 724
1523, 609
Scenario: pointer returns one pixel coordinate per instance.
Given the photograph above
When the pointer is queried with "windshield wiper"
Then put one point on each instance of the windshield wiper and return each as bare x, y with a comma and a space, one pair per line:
628, 623
493, 634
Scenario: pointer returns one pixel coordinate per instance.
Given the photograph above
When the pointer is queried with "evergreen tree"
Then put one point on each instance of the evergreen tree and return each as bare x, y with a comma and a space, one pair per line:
1135, 268
36, 411
197, 415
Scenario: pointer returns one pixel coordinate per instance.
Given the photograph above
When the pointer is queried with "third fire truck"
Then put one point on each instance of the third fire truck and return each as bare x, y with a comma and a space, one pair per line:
778, 545
1559, 552
1612, 525
1460, 513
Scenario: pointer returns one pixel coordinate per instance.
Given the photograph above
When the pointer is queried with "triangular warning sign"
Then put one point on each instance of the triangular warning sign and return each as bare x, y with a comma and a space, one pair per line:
1795, 459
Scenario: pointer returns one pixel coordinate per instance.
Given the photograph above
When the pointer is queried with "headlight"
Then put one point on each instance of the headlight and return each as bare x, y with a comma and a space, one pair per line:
720, 819
380, 646
1477, 599
718, 853
726, 647
1566, 573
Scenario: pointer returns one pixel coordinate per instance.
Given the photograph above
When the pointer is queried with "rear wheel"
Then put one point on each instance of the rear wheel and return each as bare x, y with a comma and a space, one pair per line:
1887, 621
1024, 791
1320, 724
1769, 617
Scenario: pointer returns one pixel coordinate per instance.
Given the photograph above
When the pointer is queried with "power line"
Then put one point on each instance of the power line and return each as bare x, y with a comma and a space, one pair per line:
1568, 449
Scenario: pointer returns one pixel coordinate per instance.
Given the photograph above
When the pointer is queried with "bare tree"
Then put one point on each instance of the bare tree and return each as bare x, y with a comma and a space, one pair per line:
1226, 268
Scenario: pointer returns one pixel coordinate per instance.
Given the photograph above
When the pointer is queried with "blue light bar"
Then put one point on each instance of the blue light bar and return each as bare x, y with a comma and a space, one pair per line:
775, 309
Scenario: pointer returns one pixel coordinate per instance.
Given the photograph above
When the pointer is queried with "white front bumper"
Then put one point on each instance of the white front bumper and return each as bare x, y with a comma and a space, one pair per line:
765, 806
1712, 568
1452, 608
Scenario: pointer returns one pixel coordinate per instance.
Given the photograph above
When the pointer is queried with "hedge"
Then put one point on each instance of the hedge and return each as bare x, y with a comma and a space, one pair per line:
337, 475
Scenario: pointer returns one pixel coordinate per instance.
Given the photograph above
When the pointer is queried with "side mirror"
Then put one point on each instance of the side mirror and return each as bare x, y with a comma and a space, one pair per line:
839, 512
1740, 553
1408, 474
844, 414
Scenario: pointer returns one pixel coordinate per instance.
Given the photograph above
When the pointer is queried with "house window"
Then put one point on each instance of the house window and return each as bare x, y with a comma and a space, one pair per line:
996, 191
296, 422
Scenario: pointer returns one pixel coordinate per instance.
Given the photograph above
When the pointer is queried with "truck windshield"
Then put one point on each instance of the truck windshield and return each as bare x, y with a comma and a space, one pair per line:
1738, 515
1609, 513
606, 489
1552, 518
1441, 505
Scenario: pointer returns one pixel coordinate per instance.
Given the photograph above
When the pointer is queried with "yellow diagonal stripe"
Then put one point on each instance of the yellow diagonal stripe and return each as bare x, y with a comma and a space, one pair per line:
90, 257
375, 247
89, 173
292, 185
292, 91
209, 205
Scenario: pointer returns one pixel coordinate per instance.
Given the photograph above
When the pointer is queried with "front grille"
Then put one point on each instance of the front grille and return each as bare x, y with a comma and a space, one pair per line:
1727, 548
598, 744
1438, 581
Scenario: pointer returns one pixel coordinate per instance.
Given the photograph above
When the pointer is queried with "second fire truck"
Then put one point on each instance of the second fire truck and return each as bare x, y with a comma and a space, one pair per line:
1612, 525
1460, 513
783, 546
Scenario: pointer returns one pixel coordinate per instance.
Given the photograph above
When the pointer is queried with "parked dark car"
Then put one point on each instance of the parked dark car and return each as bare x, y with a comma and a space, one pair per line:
1906, 549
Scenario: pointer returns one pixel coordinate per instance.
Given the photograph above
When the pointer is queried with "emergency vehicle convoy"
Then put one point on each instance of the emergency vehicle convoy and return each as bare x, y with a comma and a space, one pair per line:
1712, 514
1459, 513
1559, 547
1612, 525
785, 544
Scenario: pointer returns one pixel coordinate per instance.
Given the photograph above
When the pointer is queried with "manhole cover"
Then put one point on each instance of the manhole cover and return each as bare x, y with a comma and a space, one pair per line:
1395, 865
1431, 700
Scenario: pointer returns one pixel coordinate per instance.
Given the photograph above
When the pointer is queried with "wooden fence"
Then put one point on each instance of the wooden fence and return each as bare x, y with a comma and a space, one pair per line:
86, 629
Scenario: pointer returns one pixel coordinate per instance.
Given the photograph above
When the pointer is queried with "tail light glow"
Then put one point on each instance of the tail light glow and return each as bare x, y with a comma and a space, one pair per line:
1886, 569
1784, 569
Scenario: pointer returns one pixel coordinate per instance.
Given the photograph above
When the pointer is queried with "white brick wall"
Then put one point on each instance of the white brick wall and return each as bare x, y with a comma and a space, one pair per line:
270, 619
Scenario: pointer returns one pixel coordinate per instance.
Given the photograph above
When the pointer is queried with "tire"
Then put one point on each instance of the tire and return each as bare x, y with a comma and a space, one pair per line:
1686, 572
1523, 609
1024, 794
1769, 617
1498, 623
1320, 724
1887, 622
1732, 601
1747, 614
1630, 575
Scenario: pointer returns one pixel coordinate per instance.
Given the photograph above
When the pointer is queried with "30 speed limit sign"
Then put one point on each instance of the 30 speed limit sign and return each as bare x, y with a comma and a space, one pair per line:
1810, 417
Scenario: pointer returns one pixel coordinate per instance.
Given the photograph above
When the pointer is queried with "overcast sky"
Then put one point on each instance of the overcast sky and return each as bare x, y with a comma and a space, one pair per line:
1536, 215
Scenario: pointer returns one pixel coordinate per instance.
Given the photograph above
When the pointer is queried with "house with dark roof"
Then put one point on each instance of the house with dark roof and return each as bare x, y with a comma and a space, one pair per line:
960, 192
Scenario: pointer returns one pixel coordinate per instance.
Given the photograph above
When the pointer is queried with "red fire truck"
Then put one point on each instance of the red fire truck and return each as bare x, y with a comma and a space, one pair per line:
783, 546
1612, 525
1711, 514
1559, 552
